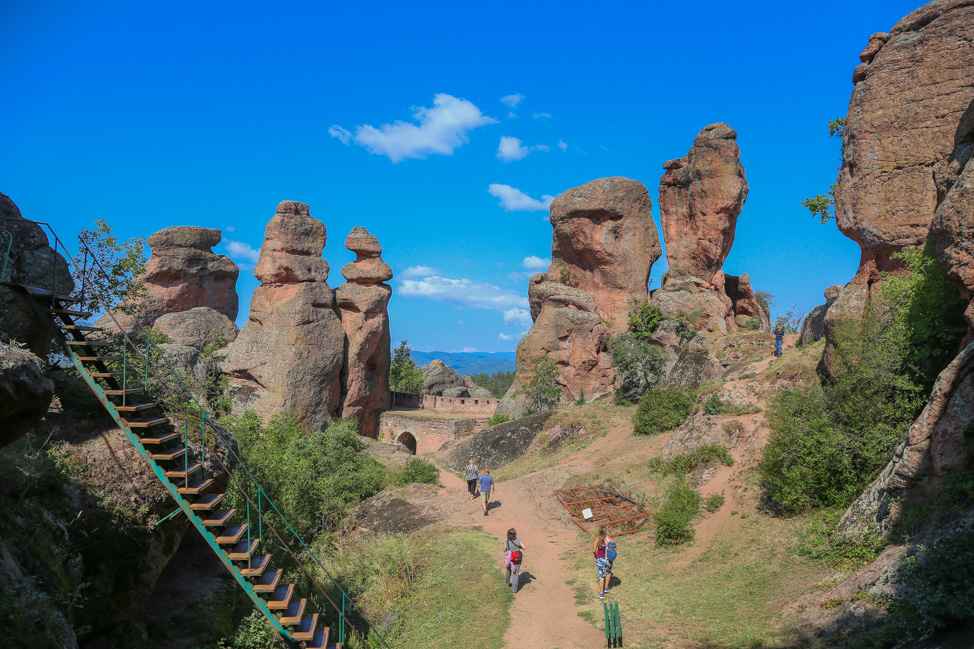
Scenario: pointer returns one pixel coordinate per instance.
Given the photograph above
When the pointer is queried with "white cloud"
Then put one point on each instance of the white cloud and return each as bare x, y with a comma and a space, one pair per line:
536, 263
511, 149
512, 115
541, 147
468, 350
418, 271
241, 250
518, 316
230, 228
441, 129
514, 200
562, 145
343, 134
512, 336
513, 100
542, 116
464, 292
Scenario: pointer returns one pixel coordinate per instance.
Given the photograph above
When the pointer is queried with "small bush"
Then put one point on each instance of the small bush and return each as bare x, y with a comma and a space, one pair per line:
674, 519
498, 419
701, 456
713, 502
713, 405
662, 410
753, 324
415, 471
732, 426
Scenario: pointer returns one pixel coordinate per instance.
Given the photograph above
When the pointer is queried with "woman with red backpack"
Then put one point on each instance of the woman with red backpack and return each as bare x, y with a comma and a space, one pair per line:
514, 553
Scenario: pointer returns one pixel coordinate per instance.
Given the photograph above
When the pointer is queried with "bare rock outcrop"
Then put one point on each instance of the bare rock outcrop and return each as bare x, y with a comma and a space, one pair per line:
362, 304
603, 247
438, 377
899, 129
25, 392
289, 354
197, 327
184, 273
744, 303
700, 197
33, 262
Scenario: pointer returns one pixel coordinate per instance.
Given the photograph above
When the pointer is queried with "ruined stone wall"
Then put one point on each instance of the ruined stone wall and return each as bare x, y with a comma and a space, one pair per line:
430, 434
432, 402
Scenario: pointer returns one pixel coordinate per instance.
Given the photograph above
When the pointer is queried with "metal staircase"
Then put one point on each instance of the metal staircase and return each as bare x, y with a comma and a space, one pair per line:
151, 403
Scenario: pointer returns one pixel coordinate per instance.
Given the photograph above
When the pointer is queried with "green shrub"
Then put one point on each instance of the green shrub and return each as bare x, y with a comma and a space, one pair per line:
713, 502
417, 470
638, 362
674, 519
753, 324
713, 405
498, 419
732, 426
662, 410
644, 320
684, 463
253, 632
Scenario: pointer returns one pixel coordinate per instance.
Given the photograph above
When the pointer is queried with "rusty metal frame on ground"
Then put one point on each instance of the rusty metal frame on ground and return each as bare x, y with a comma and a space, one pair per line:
611, 509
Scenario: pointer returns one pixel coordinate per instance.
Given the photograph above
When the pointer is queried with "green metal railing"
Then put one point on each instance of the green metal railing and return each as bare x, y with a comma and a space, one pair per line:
172, 390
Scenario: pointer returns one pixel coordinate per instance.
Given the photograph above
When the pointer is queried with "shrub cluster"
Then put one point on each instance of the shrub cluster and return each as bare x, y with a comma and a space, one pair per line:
498, 419
713, 405
684, 463
713, 502
416, 471
674, 519
662, 410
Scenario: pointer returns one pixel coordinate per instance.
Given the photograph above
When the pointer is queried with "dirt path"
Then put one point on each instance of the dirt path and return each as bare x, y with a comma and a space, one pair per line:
544, 613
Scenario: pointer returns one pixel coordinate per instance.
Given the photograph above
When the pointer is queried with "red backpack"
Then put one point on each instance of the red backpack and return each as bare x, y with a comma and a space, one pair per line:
515, 556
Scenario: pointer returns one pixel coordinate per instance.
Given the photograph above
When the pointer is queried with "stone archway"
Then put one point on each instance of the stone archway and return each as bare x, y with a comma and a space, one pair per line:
408, 440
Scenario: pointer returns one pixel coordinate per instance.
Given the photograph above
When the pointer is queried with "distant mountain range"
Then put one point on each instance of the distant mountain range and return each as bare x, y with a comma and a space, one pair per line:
469, 362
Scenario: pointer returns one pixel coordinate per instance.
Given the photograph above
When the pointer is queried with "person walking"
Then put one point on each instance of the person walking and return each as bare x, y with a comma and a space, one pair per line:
471, 473
485, 485
513, 555
779, 338
601, 562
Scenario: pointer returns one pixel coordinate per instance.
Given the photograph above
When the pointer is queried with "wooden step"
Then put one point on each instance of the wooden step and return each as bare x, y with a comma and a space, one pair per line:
100, 359
145, 423
135, 407
207, 502
267, 583
320, 641
122, 392
232, 534
74, 327
306, 628
107, 375
294, 613
182, 473
196, 487
281, 598
92, 343
244, 550
37, 291
161, 439
218, 518
69, 312
257, 566
164, 455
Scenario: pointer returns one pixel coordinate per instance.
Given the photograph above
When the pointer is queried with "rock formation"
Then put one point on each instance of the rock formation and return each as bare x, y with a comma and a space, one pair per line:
700, 198
183, 273
701, 195
438, 377
362, 303
744, 304
31, 261
603, 247
197, 327
474, 390
25, 392
813, 327
289, 354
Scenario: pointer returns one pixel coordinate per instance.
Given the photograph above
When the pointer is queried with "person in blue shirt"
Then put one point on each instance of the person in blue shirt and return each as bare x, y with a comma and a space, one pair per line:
485, 485
779, 338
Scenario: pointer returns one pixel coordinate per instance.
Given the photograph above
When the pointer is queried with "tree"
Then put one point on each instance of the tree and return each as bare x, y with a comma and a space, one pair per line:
542, 389
638, 363
823, 205
404, 376
118, 275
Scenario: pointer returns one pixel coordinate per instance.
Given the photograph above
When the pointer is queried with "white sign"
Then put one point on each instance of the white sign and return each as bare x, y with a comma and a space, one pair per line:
586, 514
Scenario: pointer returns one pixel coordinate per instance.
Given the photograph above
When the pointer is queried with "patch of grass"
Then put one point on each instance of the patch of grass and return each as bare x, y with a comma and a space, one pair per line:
684, 463
820, 542
662, 410
732, 426
714, 502
498, 419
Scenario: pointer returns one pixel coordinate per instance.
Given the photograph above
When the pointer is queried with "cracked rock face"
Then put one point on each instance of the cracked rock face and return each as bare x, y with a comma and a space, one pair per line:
289, 354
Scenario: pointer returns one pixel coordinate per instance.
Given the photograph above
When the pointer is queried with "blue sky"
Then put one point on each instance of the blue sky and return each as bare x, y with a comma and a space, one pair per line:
440, 127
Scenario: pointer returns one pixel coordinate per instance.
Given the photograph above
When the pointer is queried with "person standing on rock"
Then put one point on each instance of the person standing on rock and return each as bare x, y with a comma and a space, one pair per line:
601, 562
513, 555
779, 338
485, 485
471, 473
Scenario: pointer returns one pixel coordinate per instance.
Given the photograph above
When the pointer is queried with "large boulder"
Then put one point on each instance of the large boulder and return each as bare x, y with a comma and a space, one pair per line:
745, 303
183, 273
700, 198
497, 445
289, 354
604, 244
438, 377
362, 304
705, 306
32, 262
911, 91
813, 327
25, 392
197, 327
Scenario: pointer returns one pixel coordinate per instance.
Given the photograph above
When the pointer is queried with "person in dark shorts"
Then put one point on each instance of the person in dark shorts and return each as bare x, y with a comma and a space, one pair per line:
485, 485
470, 474
601, 562
779, 338
512, 567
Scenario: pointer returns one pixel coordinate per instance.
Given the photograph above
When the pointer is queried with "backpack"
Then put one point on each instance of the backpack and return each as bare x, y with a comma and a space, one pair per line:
515, 553
610, 551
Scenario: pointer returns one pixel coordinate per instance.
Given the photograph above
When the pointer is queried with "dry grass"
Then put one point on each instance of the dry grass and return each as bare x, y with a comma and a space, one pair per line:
796, 364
